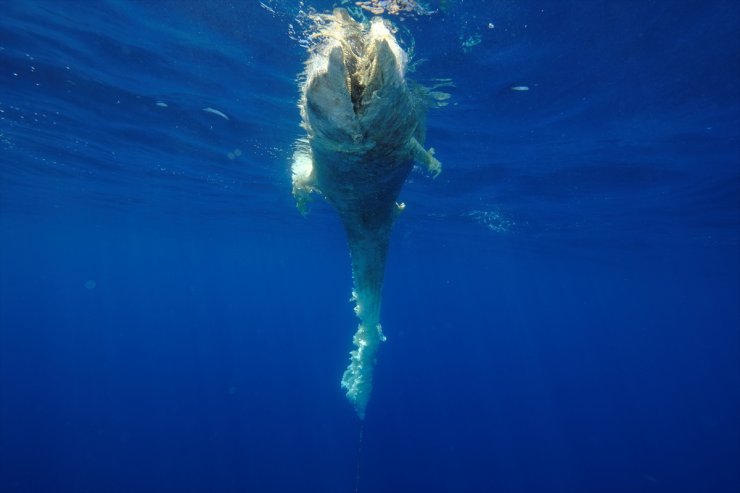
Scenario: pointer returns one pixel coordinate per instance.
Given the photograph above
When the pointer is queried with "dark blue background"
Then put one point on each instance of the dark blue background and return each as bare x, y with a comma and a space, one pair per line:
562, 304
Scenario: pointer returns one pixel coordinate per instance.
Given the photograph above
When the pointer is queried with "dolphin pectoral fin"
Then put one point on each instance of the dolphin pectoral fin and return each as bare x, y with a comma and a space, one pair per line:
434, 167
302, 176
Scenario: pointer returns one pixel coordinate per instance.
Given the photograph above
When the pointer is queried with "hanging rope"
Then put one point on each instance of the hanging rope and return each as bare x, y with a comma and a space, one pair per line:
359, 457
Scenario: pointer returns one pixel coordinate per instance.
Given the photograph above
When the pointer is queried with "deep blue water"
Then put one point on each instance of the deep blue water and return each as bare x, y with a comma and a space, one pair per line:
562, 304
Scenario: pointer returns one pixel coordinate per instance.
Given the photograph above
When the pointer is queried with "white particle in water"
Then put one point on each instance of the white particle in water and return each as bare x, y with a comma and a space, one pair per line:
216, 112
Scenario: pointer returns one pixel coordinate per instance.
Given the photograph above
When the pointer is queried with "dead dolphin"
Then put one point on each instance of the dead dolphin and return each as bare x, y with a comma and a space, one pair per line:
365, 129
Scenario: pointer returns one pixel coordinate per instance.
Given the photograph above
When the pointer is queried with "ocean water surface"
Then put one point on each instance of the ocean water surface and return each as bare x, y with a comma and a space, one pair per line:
562, 304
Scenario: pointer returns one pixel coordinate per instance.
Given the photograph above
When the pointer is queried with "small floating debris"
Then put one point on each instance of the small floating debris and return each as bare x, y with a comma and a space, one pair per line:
394, 7
493, 220
267, 8
216, 112
520, 88
472, 41
234, 154
90, 284
161, 104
